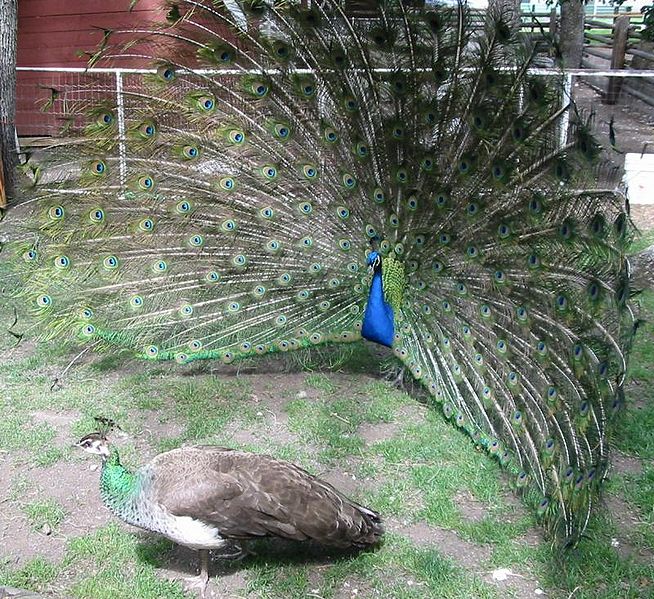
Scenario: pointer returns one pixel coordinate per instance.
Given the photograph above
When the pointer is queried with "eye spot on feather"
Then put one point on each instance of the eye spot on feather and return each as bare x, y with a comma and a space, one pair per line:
427, 164
236, 137
233, 307
146, 183
351, 104
110, 262
98, 167
159, 266
106, 118
273, 245
330, 135
88, 330
185, 310
349, 181
136, 302
166, 73
310, 172
190, 152
147, 130
207, 103
239, 260
229, 226
281, 131
305, 208
269, 172
44, 301
56, 213
212, 277
181, 358
183, 207
378, 196
30, 255
62, 262
86, 313
152, 351
441, 200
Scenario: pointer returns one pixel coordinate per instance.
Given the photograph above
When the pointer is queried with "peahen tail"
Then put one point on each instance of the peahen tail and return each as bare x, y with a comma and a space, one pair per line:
286, 177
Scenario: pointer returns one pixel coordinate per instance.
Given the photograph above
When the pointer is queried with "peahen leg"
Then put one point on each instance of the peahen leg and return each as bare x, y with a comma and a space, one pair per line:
201, 581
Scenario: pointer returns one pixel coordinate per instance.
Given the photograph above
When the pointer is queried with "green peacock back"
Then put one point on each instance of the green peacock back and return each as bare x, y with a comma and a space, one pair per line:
282, 171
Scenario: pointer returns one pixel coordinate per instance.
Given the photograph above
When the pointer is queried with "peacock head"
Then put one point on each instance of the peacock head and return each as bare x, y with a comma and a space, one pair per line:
95, 443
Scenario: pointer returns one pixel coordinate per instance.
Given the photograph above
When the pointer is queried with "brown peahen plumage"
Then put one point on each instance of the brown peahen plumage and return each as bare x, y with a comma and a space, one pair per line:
288, 177
212, 498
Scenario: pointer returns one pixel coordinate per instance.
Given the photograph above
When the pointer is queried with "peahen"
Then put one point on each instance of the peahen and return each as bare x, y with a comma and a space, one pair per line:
211, 498
286, 177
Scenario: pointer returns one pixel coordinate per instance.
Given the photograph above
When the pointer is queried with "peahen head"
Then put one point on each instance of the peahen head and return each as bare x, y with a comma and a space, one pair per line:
95, 443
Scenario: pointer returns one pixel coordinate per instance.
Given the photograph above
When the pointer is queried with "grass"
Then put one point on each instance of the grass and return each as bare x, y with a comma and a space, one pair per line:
42, 513
334, 416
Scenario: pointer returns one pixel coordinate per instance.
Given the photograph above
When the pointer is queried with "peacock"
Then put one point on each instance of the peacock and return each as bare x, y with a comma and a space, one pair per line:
287, 176
212, 498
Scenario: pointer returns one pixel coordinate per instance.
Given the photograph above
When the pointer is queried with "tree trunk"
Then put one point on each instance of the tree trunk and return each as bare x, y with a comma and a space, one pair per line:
8, 33
571, 36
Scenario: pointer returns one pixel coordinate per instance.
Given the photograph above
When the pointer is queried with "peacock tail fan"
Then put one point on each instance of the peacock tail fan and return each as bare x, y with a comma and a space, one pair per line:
284, 177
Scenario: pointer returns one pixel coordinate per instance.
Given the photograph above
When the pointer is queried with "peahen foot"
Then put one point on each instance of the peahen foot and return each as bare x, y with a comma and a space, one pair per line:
200, 581
231, 551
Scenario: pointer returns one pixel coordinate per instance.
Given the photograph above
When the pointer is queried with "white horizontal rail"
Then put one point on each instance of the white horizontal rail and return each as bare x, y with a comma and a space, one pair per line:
534, 71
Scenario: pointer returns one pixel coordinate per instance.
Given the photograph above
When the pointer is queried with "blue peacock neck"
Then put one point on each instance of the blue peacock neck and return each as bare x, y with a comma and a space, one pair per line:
379, 317
117, 484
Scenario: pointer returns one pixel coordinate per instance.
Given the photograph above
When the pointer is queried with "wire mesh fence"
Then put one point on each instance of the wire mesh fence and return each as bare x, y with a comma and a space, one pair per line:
47, 99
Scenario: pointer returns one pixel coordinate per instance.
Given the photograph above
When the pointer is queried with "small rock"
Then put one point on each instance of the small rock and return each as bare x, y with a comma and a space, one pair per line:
539, 592
46, 529
501, 574
301, 395
615, 542
93, 467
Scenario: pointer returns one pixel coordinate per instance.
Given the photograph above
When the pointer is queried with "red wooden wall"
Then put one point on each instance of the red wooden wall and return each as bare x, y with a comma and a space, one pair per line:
53, 33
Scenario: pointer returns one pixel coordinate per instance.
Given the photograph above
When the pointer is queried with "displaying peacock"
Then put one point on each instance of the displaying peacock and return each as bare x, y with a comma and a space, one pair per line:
287, 177
212, 498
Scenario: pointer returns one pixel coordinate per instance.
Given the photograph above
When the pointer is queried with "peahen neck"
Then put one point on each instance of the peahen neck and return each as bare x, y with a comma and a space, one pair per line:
117, 484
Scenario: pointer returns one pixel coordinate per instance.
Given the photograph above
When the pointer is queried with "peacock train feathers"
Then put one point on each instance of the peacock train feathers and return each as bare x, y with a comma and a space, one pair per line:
285, 177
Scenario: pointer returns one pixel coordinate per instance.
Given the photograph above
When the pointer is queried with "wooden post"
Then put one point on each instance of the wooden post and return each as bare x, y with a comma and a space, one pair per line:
619, 50
553, 23
3, 190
